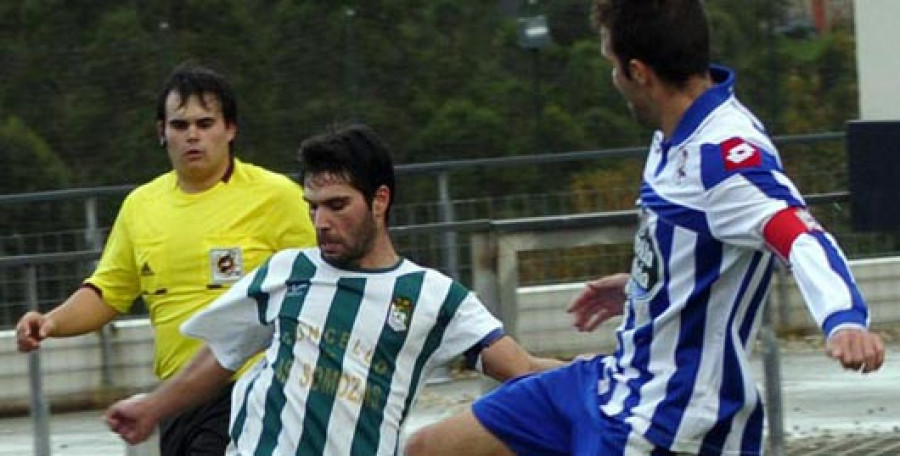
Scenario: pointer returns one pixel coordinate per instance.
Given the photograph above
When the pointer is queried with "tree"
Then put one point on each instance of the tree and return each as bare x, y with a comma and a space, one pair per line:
29, 162
84, 77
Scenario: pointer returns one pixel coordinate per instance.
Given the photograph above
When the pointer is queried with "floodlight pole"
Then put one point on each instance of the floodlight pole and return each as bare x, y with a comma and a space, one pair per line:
534, 36
538, 101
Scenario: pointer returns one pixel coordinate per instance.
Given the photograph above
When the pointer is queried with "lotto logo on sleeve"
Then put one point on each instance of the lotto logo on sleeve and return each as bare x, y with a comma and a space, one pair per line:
737, 154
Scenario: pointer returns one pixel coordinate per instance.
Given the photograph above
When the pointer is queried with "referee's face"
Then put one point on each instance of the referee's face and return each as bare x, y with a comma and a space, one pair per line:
345, 224
197, 139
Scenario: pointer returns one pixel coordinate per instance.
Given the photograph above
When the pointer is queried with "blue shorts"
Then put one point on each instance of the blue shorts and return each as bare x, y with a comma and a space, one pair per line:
556, 412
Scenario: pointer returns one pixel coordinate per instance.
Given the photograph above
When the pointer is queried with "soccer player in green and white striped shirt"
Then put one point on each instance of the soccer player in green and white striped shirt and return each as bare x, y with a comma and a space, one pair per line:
350, 329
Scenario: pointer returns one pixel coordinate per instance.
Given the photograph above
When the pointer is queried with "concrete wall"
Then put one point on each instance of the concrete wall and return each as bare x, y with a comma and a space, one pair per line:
73, 372
544, 326
879, 280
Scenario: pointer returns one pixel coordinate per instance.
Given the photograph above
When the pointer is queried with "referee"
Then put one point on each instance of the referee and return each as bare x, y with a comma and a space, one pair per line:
182, 240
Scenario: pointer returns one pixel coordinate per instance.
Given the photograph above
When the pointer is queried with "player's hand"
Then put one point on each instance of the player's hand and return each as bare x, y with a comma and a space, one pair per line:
31, 329
856, 349
131, 419
601, 300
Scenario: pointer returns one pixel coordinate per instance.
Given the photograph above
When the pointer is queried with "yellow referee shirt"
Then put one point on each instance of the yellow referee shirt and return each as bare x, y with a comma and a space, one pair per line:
181, 251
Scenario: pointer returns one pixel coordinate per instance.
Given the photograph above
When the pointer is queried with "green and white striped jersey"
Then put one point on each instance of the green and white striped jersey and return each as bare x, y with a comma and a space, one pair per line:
346, 351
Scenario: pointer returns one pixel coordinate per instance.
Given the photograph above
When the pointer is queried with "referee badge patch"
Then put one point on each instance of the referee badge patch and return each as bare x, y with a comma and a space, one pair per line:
226, 265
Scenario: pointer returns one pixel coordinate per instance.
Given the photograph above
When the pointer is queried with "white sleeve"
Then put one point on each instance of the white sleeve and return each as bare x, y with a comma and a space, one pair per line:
468, 326
231, 325
826, 283
738, 210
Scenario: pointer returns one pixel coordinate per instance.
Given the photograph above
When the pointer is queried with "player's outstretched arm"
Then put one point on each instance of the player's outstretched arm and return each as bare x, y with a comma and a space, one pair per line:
135, 418
505, 359
856, 349
84, 311
828, 288
601, 300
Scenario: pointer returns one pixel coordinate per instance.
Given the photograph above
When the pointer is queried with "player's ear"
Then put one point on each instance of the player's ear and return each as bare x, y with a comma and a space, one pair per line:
380, 201
639, 71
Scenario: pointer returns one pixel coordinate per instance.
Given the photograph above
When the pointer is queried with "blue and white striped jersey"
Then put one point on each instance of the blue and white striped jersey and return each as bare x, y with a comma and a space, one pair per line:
346, 352
699, 278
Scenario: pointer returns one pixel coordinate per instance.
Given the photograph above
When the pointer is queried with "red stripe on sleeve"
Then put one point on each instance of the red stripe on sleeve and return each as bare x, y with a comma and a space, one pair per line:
783, 228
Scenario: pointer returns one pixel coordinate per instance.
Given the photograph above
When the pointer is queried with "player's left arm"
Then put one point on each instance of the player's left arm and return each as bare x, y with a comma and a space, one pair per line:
479, 336
752, 203
135, 418
824, 279
504, 358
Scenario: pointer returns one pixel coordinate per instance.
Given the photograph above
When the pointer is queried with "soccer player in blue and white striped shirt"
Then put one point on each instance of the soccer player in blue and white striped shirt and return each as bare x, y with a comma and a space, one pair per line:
350, 329
716, 212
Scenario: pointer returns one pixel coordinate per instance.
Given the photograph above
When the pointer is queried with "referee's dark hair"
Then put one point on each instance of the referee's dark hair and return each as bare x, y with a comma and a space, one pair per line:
189, 79
355, 152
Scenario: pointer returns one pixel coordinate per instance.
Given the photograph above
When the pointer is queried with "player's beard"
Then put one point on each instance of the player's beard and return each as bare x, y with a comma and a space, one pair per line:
357, 244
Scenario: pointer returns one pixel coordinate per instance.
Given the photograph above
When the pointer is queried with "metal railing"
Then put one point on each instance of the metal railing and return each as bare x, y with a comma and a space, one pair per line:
442, 225
40, 407
443, 209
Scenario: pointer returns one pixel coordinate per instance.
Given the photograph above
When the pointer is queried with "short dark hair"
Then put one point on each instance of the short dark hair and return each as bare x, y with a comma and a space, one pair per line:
189, 79
355, 152
670, 36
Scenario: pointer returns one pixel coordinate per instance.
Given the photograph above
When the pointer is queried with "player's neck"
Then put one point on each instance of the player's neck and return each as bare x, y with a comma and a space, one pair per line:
200, 180
677, 102
192, 186
381, 256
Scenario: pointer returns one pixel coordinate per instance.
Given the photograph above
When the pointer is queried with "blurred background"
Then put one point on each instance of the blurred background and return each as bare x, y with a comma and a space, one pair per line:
440, 80
496, 111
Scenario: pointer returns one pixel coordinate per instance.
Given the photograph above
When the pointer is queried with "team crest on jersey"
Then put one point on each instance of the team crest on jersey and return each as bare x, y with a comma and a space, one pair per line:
738, 154
226, 265
646, 268
400, 313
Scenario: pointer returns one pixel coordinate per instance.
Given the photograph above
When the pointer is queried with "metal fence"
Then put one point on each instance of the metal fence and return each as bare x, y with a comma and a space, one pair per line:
817, 162
39, 268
